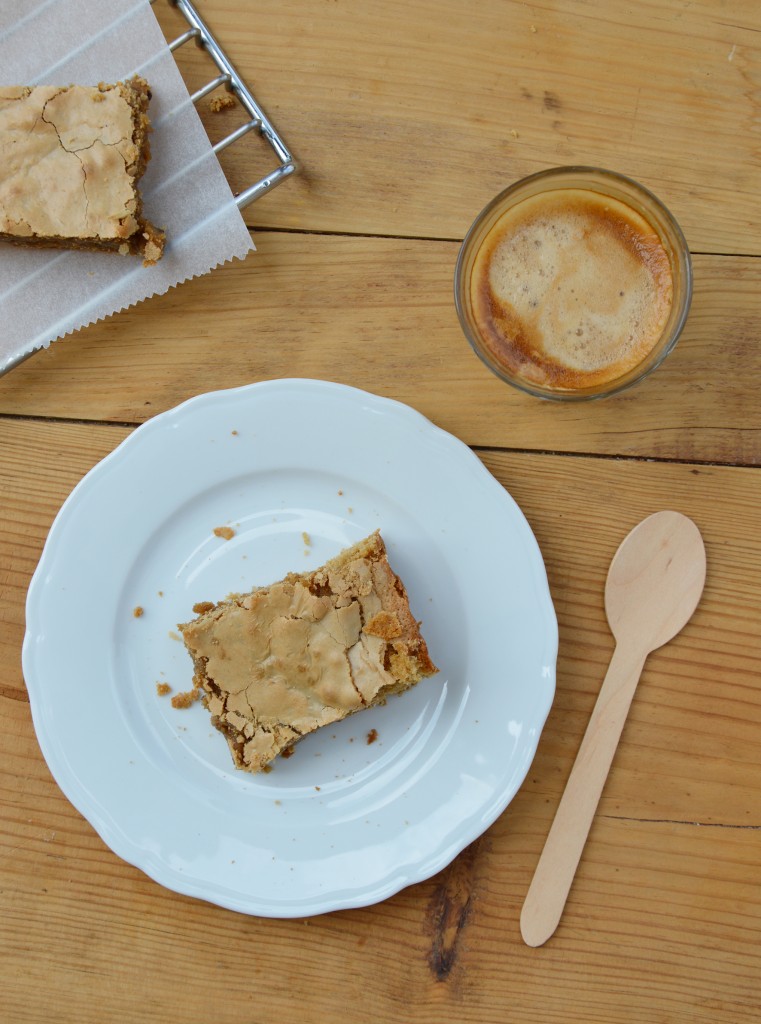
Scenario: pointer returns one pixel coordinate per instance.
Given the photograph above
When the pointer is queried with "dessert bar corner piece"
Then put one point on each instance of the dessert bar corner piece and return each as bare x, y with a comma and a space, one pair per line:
284, 660
72, 160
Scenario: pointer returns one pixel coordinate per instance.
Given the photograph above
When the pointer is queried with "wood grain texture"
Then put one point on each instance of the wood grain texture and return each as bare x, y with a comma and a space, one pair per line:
667, 939
408, 118
666, 900
378, 314
696, 725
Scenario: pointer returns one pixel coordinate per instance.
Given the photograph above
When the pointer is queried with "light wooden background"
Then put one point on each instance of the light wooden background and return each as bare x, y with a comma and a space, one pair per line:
407, 118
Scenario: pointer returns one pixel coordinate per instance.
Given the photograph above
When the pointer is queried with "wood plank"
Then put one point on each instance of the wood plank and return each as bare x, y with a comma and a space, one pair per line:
378, 314
408, 118
663, 924
687, 749
666, 901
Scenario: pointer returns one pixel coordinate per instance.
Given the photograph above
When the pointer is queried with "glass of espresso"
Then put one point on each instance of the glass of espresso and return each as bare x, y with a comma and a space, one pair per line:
573, 283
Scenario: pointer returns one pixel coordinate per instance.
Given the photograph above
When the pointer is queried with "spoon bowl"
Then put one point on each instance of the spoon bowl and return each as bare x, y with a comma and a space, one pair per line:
655, 580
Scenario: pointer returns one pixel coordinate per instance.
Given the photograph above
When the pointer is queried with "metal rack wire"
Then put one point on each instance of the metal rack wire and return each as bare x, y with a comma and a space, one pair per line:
231, 80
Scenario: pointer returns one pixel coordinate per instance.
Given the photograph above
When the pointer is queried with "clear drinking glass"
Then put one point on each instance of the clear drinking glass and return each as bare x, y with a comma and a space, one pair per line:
539, 187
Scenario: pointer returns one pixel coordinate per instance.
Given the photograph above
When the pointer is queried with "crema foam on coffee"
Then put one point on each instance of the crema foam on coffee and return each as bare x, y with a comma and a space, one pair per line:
571, 289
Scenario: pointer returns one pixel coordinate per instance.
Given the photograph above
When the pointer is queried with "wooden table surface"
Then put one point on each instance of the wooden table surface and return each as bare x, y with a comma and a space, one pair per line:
406, 118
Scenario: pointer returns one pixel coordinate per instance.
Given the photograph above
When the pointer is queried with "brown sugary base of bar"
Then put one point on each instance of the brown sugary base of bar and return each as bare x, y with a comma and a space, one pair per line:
148, 243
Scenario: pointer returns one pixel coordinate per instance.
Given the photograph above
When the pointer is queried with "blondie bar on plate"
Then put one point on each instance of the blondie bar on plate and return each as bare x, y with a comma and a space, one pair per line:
283, 660
72, 160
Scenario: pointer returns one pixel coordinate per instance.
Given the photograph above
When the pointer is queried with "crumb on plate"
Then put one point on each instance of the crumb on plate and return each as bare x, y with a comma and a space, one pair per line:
202, 606
188, 697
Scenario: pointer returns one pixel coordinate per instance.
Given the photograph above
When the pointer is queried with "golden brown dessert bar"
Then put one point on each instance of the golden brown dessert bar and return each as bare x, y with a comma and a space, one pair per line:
284, 660
72, 160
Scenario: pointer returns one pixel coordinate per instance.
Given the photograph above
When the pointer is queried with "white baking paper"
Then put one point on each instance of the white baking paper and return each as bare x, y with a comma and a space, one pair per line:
45, 294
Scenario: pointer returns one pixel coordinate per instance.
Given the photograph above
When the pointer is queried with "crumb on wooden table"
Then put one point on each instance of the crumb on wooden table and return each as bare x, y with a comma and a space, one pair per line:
225, 532
137, 611
162, 689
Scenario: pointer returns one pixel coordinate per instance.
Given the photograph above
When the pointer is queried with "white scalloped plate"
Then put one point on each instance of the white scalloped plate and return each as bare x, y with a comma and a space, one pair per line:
342, 823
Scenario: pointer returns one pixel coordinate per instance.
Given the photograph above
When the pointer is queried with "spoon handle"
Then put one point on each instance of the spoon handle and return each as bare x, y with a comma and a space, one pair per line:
560, 857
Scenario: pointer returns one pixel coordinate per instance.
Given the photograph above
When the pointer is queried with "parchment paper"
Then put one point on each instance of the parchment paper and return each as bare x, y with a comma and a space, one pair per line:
45, 294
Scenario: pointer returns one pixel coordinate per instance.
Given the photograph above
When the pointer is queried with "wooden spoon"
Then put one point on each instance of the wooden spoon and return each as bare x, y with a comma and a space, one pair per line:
654, 585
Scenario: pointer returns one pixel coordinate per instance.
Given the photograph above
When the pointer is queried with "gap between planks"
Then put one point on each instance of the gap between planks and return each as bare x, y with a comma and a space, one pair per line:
343, 233
603, 456
677, 821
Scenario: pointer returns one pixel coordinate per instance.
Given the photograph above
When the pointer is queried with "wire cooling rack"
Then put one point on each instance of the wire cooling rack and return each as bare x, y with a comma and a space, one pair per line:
229, 78
198, 31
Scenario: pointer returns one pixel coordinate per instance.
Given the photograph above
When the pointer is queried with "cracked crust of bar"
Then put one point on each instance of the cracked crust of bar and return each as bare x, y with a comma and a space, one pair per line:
405, 658
147, 241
